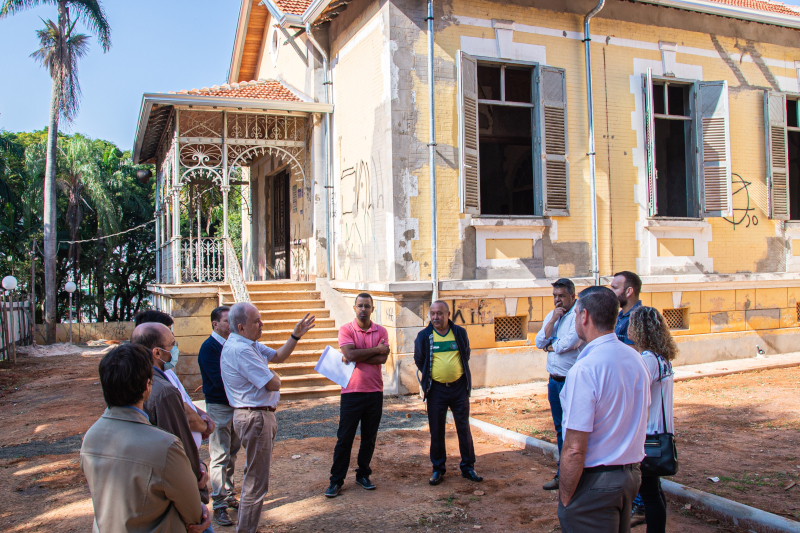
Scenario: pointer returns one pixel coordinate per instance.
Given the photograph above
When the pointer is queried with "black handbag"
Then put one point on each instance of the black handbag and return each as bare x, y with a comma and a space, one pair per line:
660, 452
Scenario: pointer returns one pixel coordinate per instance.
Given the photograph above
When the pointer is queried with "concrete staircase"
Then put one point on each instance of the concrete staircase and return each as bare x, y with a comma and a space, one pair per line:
282, 305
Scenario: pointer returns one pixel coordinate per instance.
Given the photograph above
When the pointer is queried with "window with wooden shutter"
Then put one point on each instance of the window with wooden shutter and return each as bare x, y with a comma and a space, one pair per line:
714, 150
552, 143
468, 133
649, 143
777, 155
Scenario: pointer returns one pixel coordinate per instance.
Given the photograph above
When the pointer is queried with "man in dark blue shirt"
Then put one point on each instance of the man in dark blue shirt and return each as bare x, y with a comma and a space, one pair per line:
627, 286
223, 443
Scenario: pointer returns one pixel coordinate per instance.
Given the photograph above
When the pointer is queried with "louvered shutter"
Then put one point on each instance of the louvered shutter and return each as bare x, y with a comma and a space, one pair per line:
777, 158
649, 143
553, 148
714, 148
470, 184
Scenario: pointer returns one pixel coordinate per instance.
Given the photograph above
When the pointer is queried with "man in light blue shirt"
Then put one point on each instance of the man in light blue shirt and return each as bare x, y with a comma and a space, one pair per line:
562, 344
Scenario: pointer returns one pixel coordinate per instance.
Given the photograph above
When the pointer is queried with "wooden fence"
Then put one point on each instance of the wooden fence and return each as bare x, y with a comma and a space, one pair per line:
16, 327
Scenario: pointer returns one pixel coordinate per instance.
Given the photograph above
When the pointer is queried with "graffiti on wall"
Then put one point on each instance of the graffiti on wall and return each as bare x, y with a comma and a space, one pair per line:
741, 192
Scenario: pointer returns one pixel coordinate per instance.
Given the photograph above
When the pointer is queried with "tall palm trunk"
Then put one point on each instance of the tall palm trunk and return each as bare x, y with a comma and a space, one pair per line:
50, 201
49, 219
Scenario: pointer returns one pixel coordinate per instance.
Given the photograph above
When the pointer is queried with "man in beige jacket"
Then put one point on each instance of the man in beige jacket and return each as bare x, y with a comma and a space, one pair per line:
139, 476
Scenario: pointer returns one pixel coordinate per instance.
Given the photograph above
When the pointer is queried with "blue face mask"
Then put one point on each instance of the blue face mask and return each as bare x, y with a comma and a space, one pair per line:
174, 352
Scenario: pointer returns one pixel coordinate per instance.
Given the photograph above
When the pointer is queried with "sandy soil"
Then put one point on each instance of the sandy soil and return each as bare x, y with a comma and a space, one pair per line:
46, 403
743, 429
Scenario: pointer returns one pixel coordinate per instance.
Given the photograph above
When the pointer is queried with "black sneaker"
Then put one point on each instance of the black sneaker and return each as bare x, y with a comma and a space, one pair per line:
365, 482
333, 490
221, 517
637, 515
552, 484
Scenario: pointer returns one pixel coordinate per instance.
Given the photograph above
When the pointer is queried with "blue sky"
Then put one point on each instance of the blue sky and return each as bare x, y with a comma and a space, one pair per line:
157, 46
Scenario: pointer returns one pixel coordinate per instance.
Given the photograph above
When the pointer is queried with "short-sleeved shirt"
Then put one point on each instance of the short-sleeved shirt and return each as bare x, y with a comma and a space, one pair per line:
245, 373
623, 321
366, 377
607, 394
447, 366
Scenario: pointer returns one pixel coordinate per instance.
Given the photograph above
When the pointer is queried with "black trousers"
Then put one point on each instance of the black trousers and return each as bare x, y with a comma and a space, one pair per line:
356, 407
655, 504
440, 398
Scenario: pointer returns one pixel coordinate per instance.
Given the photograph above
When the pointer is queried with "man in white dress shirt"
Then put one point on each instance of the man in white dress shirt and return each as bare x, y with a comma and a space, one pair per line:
605, 399
562, 344
253, 391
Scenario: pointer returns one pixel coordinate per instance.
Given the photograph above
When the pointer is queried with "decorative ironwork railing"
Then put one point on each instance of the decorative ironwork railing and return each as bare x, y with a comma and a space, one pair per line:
202, 260
234, 275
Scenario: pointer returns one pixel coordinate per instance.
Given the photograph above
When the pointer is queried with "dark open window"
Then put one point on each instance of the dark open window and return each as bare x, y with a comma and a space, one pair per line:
793, 145
505, 139
676, 186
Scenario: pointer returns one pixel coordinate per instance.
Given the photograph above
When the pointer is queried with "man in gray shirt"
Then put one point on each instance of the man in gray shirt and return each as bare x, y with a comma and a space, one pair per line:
562, 344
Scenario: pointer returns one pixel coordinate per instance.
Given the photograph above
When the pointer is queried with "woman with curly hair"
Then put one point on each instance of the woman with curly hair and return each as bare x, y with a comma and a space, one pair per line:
651, 337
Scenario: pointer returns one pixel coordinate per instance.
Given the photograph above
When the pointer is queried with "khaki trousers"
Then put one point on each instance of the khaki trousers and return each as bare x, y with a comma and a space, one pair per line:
257, 430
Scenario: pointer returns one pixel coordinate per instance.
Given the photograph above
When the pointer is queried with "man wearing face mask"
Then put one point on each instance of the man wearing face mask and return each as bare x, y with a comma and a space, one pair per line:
200, 422
165, 407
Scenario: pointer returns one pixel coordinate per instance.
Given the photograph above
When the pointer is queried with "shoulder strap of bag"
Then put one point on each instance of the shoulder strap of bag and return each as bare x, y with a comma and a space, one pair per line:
661, 384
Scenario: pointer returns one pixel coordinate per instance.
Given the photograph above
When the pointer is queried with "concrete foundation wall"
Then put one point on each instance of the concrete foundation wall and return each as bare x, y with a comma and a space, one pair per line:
92, 331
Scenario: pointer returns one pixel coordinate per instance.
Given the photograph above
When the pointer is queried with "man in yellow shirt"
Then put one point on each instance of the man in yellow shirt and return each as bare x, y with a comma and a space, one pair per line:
441, 353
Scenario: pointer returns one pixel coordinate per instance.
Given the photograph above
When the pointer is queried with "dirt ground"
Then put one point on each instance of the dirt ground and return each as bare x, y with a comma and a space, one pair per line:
47, 403
743, 429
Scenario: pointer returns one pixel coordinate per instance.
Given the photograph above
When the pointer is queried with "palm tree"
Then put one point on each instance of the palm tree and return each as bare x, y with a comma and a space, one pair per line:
61, 61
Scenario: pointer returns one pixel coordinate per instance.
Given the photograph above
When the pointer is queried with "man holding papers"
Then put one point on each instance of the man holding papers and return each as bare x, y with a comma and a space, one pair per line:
367, 345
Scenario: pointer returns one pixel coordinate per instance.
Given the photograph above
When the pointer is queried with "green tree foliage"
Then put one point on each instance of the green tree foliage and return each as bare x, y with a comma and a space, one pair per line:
98, 195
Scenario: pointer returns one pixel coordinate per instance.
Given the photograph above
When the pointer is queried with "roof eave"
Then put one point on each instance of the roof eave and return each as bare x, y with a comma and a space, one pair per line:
723, 10
285, 20
314, 10
148, 100
238, 43
141, 128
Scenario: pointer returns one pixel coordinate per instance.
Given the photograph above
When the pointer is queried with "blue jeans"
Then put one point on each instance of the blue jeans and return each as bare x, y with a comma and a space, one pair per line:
553, 390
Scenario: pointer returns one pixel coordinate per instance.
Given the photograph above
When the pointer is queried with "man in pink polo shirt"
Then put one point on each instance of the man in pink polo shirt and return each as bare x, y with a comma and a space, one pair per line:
367, 345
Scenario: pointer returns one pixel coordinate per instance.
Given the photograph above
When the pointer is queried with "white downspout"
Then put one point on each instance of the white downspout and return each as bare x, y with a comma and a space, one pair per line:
432, 155
587, 41
326, 136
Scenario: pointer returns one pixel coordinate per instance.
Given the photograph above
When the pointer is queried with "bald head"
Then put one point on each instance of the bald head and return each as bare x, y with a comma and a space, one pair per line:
245, 319
155, 337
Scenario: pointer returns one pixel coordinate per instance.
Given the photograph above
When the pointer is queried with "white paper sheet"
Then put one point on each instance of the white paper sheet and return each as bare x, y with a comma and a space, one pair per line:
330, 365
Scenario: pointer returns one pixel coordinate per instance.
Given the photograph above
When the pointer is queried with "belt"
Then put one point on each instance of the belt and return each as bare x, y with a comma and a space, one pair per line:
559, 379
271, 409
608, 468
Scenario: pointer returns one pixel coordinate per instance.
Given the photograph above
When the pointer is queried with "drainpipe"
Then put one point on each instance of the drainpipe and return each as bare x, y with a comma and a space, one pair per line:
326, 136
587, 41
432, 155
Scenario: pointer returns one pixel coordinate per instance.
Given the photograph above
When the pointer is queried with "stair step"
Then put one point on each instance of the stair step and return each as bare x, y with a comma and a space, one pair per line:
293, 315
268, 296
304, 356
280, 335
288, 325
302, 393
305, 380
307, 345
294, 369
281, 286
285, 305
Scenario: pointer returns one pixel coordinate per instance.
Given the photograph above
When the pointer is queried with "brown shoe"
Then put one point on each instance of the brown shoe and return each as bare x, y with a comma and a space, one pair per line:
221, 517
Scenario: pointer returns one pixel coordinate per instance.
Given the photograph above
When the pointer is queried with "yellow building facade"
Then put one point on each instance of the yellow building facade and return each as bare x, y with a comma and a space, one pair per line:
697, 153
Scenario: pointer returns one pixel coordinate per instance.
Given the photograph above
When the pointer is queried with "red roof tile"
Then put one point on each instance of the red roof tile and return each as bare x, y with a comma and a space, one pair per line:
293, 7
761, 5
263, 89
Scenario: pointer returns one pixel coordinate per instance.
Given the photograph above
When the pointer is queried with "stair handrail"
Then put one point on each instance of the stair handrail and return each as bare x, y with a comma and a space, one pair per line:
234, 275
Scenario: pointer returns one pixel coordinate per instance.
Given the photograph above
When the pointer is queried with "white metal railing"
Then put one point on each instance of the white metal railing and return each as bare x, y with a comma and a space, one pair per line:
202, 260
234, 275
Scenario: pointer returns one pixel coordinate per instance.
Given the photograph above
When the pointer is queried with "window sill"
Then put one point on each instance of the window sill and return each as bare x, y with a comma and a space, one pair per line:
792, 224
676, 223
510, 221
